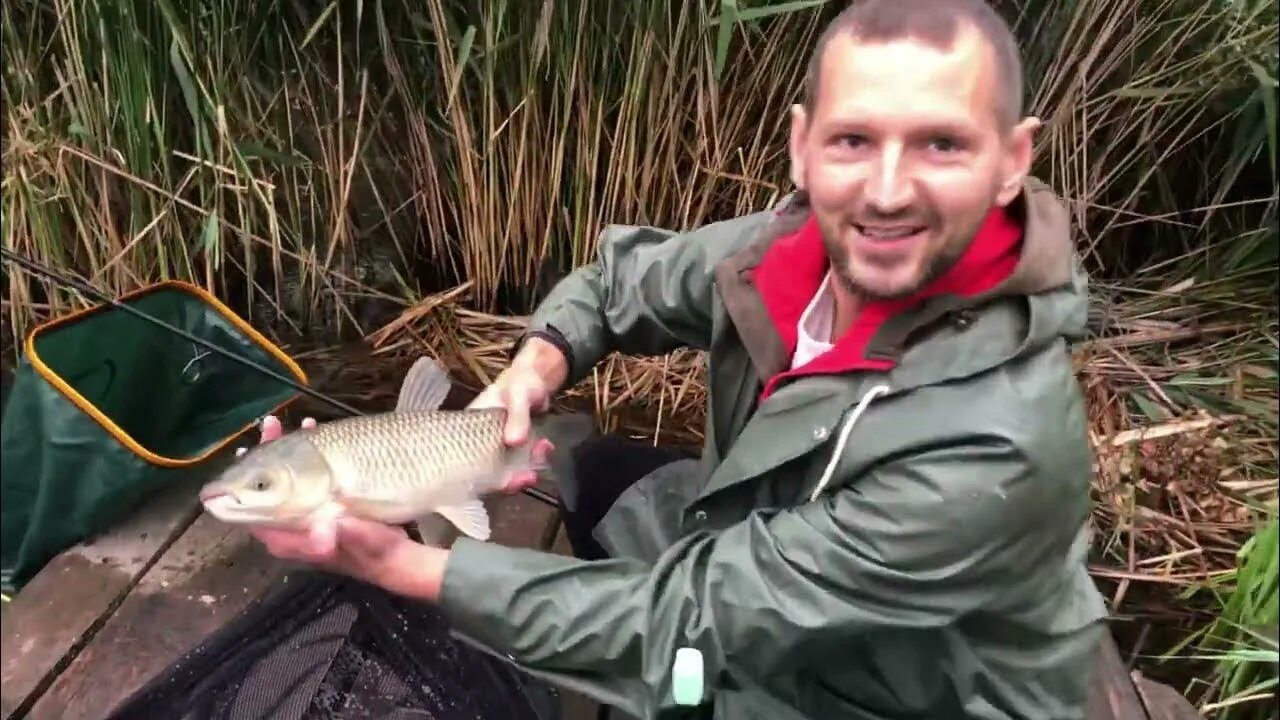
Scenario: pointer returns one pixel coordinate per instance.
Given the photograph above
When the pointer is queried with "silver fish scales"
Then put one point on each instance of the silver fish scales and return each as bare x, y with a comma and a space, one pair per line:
407, 450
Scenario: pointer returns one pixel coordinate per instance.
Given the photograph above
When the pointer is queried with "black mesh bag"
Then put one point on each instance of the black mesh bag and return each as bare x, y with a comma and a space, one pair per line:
321, 647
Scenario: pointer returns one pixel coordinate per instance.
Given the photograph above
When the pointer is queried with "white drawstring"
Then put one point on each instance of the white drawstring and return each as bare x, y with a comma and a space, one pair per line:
844, 437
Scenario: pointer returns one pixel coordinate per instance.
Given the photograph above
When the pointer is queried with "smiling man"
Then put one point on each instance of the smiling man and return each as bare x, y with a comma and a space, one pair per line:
889, 517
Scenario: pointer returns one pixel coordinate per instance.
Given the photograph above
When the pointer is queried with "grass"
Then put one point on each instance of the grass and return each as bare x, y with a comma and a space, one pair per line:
1241, 644
413, 173
1245, 632
303, 147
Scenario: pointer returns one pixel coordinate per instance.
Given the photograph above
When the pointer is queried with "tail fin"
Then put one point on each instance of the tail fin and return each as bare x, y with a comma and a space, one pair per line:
565, 431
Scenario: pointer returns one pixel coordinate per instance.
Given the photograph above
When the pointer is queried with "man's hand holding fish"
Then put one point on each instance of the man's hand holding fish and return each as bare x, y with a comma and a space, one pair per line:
378, 552
525, 389
331, 495
889, 516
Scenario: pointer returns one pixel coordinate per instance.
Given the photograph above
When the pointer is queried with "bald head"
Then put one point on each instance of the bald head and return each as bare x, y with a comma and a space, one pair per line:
938, 24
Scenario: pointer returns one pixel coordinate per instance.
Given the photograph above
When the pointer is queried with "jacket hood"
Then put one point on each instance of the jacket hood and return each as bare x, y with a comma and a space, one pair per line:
1017, 287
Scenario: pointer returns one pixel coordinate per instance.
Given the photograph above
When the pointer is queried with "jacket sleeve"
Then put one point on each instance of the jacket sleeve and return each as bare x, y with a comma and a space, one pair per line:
915, 544
648, 292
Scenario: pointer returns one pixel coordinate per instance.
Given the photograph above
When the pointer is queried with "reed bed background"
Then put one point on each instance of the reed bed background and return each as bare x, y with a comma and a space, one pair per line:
410, 177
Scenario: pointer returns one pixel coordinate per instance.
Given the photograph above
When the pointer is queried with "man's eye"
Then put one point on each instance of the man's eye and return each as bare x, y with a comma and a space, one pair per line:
851, 141
943, 144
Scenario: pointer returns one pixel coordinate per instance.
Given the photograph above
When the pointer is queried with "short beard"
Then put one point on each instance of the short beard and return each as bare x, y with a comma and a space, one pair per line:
936, 267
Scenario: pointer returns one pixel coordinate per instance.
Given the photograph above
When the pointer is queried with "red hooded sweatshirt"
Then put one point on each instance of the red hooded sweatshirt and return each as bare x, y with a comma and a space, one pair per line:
794, 266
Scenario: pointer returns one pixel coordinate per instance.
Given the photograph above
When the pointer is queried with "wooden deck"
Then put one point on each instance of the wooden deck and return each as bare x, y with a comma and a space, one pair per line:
104, 617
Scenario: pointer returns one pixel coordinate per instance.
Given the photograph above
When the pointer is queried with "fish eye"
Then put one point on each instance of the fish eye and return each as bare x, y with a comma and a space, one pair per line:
261, 483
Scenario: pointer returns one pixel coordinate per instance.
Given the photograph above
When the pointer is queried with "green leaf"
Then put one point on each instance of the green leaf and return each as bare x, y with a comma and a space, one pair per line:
1153, 92
753, 14
1266, 89
728, 16
1153, 411
257, 150
209, 239
192, 98
460, 64
315, 26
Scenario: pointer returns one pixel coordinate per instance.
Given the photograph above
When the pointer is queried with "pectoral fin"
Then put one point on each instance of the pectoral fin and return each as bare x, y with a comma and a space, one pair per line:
425, 386
470, 517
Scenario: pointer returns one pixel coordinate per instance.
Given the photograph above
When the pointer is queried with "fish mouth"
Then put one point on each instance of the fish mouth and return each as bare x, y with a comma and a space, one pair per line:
225, 507
221, 505
210, 493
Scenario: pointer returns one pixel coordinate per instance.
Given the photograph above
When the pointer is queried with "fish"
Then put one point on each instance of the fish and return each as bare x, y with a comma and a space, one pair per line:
410, 464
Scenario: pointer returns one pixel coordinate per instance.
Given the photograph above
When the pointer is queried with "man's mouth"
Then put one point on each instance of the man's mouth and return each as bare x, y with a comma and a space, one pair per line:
889, 233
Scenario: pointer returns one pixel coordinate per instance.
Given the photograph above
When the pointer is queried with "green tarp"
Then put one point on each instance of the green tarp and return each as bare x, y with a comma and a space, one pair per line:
106, 408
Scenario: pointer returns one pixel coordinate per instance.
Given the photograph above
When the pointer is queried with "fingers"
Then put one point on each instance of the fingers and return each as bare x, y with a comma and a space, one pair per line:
293, 544
489, 398
510, 396
521, 394
271, 429
517, 426
518, 481
542, 451
369, 539
323, 538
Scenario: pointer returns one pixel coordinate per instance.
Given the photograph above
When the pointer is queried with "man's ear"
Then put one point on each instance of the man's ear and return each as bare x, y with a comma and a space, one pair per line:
799, 136
1019, 152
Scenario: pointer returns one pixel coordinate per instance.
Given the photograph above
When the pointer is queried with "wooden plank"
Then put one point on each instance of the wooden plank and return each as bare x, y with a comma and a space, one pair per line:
1112, 695
61, 608
1163, 702
561, 544
204, 579
522, 521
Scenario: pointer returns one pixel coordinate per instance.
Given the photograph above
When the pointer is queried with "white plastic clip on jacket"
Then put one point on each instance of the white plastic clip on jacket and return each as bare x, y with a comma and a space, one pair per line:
686, 677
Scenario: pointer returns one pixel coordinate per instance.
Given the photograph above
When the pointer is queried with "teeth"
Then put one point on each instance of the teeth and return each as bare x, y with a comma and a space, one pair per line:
888, 233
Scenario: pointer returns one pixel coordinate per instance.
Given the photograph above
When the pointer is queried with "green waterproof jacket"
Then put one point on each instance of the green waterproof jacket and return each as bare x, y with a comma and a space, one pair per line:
896, 543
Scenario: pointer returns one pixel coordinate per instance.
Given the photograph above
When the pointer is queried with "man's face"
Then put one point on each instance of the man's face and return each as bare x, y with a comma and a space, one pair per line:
903, 155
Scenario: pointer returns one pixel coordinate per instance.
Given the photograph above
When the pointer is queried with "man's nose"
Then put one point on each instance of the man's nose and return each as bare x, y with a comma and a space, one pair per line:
890, 187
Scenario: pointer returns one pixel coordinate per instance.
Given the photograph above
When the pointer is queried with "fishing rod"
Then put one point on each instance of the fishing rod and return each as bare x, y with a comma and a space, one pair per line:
87, 289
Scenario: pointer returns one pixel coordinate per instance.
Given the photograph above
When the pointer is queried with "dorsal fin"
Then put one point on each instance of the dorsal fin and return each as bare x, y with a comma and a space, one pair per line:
425, 386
